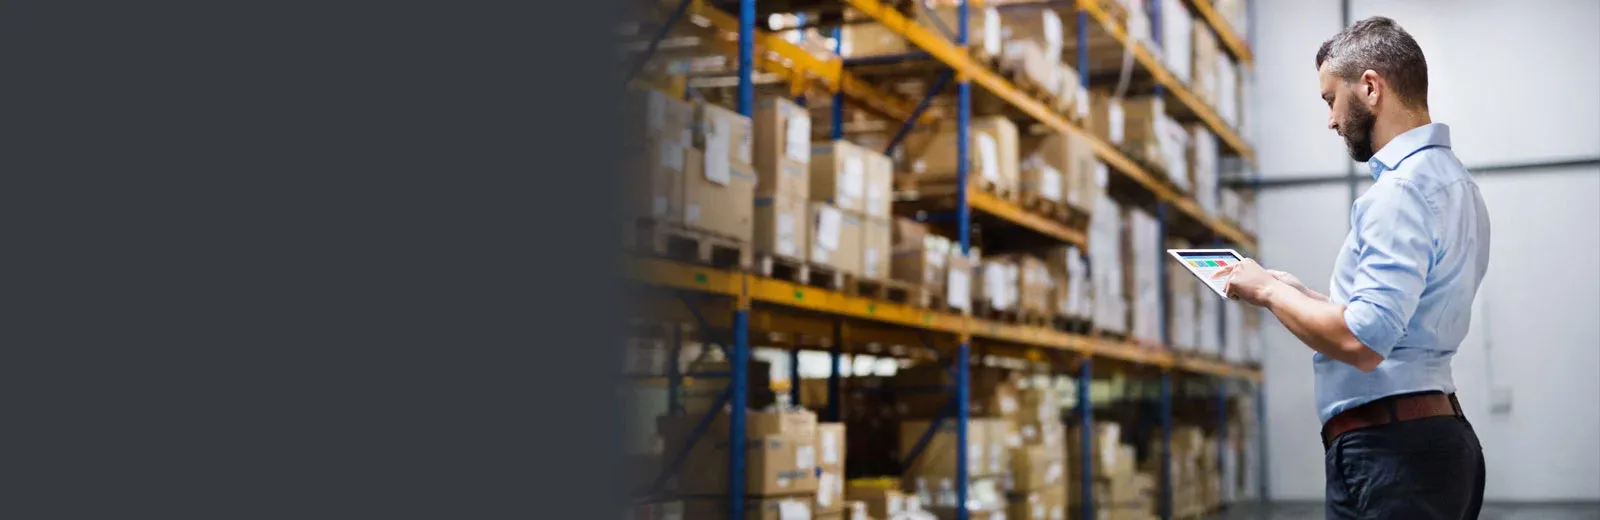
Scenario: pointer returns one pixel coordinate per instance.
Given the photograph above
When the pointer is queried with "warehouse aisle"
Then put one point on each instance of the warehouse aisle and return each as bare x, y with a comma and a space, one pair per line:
1304, 511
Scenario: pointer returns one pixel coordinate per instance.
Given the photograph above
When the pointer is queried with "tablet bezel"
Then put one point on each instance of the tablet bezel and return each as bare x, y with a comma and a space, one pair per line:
1176, 254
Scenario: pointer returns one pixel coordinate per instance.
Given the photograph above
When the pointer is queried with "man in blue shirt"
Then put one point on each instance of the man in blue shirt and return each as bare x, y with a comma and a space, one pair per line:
1396, 443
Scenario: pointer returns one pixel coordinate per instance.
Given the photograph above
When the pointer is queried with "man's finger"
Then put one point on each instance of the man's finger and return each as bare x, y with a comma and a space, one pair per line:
1223, 272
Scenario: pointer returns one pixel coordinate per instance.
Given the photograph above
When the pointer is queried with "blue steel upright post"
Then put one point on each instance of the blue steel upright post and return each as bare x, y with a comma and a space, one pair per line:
838, 92
1086, 369
963, 134
741, 314
1162, 214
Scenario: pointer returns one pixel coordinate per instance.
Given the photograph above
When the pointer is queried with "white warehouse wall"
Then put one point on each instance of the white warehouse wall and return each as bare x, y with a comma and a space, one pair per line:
1516, 82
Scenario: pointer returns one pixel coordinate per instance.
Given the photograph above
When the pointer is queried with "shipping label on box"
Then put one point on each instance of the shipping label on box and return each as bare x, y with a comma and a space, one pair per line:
782, 227
831, 446
958, 283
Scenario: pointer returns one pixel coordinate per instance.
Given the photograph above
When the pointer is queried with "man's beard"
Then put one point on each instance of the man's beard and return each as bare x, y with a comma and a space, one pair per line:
1357, 131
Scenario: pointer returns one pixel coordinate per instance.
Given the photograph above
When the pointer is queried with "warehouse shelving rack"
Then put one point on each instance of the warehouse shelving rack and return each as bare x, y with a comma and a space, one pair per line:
727, 306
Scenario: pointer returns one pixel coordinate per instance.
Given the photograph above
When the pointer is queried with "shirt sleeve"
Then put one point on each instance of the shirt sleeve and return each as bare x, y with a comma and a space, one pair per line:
1396, 251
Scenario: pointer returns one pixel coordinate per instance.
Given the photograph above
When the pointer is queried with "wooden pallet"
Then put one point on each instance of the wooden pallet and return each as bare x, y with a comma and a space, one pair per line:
1037, 203
1074, 325
679, 242
1018, 316
925, 189
801, 272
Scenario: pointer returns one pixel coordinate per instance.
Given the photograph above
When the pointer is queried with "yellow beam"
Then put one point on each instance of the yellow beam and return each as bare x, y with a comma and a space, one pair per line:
789, 294
1230, 39
1010, 211
1159, 71
778, 56
776, 294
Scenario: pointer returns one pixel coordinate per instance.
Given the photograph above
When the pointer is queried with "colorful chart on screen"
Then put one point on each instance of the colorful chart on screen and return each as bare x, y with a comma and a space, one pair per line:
1206, 262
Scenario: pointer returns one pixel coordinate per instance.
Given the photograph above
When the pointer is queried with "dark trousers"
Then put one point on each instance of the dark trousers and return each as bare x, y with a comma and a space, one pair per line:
1424, 469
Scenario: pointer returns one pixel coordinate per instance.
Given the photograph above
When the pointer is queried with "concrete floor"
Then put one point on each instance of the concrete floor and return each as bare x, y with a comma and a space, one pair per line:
1312, 511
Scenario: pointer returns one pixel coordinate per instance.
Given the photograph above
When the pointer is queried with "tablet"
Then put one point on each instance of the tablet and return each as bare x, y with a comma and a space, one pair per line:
1205, 262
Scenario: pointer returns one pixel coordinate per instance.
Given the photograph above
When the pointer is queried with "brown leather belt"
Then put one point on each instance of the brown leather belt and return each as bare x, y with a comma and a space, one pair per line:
1392, 409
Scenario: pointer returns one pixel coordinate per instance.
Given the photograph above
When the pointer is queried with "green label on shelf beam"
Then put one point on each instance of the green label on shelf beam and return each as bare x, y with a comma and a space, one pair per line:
799, 295
700, 278
872, 308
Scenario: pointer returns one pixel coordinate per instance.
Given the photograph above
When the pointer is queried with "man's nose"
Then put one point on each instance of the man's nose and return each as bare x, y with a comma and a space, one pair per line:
1332, 125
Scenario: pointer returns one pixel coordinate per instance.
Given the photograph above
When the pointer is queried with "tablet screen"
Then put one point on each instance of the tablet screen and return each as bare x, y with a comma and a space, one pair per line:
1206, 262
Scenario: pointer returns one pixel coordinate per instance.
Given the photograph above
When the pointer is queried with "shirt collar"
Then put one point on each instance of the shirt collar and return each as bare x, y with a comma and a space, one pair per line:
1406, 144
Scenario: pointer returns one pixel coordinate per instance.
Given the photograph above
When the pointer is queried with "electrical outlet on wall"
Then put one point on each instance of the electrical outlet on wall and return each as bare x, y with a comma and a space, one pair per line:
1500, 400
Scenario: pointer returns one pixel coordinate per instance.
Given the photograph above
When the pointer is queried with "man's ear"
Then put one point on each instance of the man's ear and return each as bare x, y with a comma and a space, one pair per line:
1370, 88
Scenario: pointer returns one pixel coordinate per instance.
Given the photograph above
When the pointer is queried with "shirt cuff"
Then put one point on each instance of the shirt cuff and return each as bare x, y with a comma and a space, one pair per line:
1370, 326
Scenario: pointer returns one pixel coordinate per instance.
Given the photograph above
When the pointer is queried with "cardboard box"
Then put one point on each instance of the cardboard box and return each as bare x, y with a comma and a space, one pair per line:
868, 39
781, 453
882, 497
782, 149
1177, 27
652, 114
918, 257
725, 136
938, 459
781, 227
1204, 63
1110, 457
724, 206
1039, 505
839, 175
836, 238
776, 508
1038, 468
984, 29
879, 200
658, 129
1106, 117
1033, 63
1069, 154
992, 153
876, 247
1040, 28
996, 285
1043, 180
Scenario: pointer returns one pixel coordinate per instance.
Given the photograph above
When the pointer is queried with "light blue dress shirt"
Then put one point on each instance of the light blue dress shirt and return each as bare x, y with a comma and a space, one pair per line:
1407, 273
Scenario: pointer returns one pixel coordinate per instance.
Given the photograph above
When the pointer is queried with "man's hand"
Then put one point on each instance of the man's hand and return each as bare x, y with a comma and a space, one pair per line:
1248, 282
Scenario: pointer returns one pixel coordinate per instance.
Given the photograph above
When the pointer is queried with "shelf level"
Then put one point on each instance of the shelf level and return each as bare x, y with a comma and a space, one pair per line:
768, 291
958, 59
778, 56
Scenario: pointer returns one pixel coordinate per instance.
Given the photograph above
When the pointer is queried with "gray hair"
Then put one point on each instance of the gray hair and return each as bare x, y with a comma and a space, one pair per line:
1380, 45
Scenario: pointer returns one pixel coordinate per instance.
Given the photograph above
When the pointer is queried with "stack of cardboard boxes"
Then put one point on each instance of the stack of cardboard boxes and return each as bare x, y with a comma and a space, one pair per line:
881, 497
1119, 492
1196, 473
718, 197
1142, 260
845, 227
1177, 34
783, 167
1203, 167
1110, 297
659, 135
919, 257
1243, 333
831, 500
932, 157
781, 462
1038, 463
1184, 293
1060, 167
1016, 282
1152, 136
1204, 63
1070, 271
